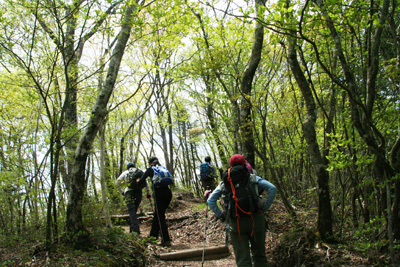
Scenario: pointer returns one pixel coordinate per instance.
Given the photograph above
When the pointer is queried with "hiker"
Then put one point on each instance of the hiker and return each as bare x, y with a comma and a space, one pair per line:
162, 198
245, 229
132, 193
208, 174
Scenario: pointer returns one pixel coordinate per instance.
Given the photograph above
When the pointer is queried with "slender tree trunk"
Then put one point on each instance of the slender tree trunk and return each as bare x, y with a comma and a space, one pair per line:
276, 180
55, 151
362, 110
136, 155
235, 110
324, 203
187, 154
183, 140
103, 177
170, 167
74, 223
212, 122
93, 180
395, 152
130, 128
246, 120
36, 180
71, 60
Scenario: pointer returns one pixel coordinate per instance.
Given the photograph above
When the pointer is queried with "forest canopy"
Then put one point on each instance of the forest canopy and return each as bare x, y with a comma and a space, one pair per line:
307, 91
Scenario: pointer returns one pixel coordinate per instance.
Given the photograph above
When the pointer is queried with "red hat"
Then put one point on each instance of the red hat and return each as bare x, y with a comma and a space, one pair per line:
237, 159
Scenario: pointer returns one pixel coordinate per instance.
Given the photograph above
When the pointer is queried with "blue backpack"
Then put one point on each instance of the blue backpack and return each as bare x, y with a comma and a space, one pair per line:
205, 170
162, 176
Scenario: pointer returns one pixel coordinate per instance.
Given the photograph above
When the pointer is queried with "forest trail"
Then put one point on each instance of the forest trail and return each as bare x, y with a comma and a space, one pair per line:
186, 228
286, 245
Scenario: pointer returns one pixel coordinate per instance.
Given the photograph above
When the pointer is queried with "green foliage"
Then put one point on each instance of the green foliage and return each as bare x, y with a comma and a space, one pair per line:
368, 239
200, 207
340, 158
196, 77
110, 247
107, 247
93, 214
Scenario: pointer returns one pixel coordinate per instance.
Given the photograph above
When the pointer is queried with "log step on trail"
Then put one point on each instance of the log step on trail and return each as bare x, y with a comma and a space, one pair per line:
210, 253
148, 216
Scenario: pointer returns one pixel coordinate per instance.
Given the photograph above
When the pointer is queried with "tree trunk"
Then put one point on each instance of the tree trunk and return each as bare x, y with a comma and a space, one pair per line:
71, 60
362, 111
103, 177
233, 128
187, 154
324, 205
93, 179
211, 119
130, 128
136, 154
55, 150
395, 152
170, 167
74, 224
182, 144
246, 120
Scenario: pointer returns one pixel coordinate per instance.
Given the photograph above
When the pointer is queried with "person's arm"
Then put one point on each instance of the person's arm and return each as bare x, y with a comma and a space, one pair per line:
270, 188
212, 201
148, 173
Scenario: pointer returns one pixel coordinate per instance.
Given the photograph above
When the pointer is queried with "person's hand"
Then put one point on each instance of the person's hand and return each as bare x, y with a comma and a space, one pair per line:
207, 193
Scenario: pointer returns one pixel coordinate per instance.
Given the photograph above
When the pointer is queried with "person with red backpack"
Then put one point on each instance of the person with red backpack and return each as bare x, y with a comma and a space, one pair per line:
244, 211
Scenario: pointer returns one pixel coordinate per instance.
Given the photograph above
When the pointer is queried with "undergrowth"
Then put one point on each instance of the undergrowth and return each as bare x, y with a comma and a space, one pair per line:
108, 247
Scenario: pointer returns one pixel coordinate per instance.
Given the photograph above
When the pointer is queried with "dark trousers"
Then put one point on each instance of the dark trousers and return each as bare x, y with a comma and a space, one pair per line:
162, 197
241, 244
132, 200
208, 184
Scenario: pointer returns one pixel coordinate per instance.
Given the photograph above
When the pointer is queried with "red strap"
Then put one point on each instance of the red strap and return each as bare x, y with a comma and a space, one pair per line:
237, 205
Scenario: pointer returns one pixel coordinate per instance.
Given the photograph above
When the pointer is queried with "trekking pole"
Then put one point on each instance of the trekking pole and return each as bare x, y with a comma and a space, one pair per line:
227, 225
204, 241
205, 232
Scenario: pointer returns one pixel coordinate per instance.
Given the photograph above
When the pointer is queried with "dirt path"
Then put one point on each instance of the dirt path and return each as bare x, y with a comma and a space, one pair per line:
189, 234
186, 228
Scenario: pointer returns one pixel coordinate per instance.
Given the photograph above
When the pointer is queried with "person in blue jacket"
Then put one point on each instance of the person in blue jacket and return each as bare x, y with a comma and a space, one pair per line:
241, 242
162, 195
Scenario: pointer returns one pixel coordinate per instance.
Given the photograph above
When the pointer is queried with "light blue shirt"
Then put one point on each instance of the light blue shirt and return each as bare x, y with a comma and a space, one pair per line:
262, 183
